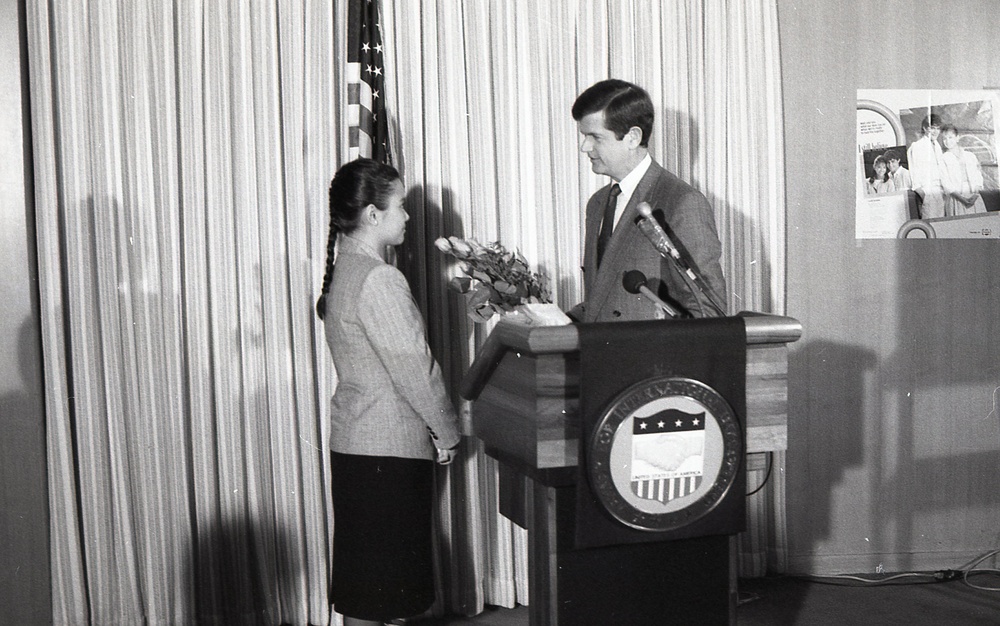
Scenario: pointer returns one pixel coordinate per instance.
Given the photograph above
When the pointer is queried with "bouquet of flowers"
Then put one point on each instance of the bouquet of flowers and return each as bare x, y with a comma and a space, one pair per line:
496, 279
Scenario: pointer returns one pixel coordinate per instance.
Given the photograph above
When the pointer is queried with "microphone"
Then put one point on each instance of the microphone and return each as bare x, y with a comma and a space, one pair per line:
658, 237
634, 281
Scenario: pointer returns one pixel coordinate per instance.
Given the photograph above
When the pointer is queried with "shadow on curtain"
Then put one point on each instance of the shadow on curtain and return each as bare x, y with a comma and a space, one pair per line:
183, 153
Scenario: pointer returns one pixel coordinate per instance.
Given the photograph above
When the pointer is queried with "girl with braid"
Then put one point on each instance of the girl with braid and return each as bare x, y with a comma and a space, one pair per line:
391, 417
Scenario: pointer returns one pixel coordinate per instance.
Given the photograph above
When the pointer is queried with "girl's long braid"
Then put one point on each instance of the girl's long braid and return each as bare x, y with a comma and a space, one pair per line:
331, 245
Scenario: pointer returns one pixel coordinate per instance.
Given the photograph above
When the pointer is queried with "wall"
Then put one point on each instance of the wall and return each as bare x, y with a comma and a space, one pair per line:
894, 435
24, 564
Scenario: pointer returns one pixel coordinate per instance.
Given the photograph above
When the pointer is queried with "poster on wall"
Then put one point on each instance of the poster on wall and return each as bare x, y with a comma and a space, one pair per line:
927, 164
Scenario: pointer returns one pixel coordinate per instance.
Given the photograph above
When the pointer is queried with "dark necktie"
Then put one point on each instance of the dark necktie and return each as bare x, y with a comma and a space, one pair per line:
608, 223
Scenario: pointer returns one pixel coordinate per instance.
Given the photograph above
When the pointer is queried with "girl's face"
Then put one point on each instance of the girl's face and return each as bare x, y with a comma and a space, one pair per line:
880, 169
950, 140
392, 218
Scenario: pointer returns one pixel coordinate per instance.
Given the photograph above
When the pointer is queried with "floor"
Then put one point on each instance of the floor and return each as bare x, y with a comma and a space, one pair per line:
787, 601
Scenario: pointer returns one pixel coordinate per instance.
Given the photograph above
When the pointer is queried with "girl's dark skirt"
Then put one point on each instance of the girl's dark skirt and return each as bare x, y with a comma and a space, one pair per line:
382, 555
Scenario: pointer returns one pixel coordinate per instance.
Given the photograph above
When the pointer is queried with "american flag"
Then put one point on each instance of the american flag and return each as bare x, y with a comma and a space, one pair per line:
661, 445
369, 128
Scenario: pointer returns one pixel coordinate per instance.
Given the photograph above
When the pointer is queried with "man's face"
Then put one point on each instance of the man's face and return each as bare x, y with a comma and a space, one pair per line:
893, 165
608, 154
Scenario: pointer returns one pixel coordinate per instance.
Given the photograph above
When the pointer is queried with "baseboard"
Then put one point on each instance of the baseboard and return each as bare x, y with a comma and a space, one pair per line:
831, 564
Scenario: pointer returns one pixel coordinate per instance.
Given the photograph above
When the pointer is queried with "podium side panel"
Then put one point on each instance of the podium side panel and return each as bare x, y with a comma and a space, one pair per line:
529, 410
767, 397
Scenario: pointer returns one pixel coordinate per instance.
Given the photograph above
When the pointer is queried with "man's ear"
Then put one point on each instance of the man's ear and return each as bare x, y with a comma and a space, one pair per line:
634, 137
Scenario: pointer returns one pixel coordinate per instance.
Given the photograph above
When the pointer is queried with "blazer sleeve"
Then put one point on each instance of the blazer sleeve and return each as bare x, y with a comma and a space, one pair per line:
395, 328
693, 223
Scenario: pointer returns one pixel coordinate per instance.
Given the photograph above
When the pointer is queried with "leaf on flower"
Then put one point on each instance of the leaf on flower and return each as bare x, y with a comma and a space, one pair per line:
480, 314
504, 287
481, 276
461, 284
480, 296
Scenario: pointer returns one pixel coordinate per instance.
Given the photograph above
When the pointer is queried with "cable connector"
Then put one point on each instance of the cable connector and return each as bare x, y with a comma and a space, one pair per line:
947, 574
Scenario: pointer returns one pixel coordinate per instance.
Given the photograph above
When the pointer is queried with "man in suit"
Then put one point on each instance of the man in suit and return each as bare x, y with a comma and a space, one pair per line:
615, 119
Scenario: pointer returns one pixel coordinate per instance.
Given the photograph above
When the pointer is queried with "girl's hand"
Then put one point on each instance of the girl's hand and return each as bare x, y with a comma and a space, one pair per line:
444, 457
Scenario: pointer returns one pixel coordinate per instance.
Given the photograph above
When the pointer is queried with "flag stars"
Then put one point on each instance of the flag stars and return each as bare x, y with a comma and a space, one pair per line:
668, 421
368, 54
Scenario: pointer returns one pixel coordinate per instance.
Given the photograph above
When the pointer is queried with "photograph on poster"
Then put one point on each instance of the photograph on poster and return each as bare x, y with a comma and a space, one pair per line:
927, 164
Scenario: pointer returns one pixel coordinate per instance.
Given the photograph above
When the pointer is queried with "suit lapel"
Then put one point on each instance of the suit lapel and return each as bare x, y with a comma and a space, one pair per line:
624, 239
593, 229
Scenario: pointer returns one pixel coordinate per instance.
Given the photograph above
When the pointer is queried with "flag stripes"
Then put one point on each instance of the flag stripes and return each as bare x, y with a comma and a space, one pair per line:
666, 489
368, 129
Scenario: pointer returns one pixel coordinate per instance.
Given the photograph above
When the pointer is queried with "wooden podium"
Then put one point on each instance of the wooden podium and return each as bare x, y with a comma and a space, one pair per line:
525, 388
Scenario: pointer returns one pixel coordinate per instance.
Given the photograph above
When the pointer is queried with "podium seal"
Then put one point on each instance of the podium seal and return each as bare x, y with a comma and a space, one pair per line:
665, 452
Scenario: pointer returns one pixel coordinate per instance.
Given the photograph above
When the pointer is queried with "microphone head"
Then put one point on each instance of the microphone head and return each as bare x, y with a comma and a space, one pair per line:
645, 210
633, 281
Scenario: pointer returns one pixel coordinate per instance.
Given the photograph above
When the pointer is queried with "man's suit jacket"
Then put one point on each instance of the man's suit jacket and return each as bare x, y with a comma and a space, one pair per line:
689, 221
390, 399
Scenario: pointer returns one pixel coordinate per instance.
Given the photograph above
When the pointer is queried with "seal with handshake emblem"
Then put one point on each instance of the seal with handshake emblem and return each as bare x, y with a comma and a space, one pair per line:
665, 452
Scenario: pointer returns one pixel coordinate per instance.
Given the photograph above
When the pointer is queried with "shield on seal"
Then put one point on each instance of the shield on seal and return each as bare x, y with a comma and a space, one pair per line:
668, 454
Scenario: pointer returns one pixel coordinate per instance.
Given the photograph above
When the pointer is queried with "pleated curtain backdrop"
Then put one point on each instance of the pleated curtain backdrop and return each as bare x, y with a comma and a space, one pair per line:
182, 154
482, 93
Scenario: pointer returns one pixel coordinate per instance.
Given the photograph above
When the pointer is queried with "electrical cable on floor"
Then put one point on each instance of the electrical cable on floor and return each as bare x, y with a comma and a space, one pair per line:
767, 475
907, 578
851, 580
970, 570
745, 597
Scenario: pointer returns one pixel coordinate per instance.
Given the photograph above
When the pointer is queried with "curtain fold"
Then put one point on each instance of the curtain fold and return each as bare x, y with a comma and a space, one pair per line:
183, 152
182, 155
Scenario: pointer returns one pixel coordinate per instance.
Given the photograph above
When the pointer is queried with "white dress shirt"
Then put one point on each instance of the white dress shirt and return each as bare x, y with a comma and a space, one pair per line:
628, 185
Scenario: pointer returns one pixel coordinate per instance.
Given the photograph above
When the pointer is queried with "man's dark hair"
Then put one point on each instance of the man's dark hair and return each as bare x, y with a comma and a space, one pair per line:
931, 120
625, 105
893, 154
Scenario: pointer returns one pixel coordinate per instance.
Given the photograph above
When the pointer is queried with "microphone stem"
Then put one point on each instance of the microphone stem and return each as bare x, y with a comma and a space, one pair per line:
658, 237
666, 308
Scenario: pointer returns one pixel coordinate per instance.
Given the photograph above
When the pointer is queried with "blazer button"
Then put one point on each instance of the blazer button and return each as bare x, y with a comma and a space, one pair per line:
616, 313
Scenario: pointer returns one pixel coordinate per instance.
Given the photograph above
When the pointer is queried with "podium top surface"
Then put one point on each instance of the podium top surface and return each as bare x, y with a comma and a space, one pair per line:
519, 334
